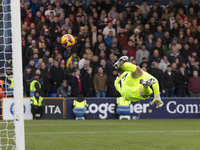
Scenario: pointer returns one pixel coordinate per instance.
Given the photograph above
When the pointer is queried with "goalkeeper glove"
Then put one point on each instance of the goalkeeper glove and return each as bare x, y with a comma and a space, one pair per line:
159, 103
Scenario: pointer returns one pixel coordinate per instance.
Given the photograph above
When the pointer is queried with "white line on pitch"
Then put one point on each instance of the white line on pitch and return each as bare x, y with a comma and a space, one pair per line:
116, 132
82, 124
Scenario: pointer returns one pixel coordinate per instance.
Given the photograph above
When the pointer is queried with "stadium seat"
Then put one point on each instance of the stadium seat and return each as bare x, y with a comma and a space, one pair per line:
80, 118
123, 110
37, 116
52, 95
79, 113
123, 117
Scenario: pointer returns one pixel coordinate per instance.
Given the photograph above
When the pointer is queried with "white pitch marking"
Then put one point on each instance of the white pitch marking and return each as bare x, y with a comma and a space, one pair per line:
116, 132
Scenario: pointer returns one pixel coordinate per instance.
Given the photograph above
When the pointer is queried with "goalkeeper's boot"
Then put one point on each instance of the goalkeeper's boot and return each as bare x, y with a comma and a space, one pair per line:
148, 82
120, 62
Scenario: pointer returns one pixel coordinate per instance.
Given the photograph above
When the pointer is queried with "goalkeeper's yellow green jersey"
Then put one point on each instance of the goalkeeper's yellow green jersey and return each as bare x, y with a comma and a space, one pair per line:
129, 87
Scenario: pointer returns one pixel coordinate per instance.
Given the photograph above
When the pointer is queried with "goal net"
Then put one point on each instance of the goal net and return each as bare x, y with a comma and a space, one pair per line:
11, 131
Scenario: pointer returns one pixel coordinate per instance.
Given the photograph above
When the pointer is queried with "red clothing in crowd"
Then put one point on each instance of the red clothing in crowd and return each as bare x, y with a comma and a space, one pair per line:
131, 50
194, 85
122, 40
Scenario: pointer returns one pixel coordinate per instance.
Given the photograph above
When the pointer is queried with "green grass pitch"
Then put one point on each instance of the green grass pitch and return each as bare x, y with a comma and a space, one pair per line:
144, 134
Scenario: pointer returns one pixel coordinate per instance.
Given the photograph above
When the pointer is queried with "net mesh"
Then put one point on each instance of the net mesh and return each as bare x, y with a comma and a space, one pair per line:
7, 134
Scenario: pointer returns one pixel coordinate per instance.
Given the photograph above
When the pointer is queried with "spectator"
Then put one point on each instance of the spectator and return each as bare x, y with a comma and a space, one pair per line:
175, 44
94, 36
182, 39
25, 10
136, 38
149, 42
109, 39
122, 37
46, 78
145, 8
110, 18
141, 53
94, 64
169, 82
55, 28
114, 49
67, 24
57, 75
34, 6
110, 63
193, 4
194, 85
171, 20
155, 57
101, 24
86, 79
27, 76
164, 63
159, 47
157, 73
104, 66
78, 28
82, 35
82, 61
58, 9
181, 82
76, 84
158, 33
108, 28
114, 13
64, 90
66, 6
119, 6
102, 50
49, 11
100, 83
146, 32
30, 50
175, 54
74, 58
112, 92
70, 72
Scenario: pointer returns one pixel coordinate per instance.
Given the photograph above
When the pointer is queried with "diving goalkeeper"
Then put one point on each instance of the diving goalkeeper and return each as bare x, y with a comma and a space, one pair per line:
134, 84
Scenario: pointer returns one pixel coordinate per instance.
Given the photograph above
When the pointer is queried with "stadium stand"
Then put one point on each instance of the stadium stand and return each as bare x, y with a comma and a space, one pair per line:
155, 35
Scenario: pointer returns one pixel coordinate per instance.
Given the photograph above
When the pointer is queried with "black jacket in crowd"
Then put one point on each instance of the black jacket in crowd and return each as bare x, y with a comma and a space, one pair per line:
169, 80
87, 83
181, 81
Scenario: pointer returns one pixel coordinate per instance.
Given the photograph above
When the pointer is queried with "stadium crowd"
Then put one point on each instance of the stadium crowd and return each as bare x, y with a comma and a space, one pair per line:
163, 41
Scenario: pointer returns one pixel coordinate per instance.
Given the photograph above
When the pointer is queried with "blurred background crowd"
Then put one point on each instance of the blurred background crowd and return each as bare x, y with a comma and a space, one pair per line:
162, 40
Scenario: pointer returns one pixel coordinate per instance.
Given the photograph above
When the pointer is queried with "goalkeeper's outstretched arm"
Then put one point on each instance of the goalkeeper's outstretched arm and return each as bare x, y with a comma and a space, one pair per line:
157, 100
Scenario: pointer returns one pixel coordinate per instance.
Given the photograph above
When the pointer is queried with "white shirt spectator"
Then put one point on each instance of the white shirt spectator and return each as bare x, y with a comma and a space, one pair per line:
47, 12
107, 29
81, 63
145, 9
140, 54
163, 64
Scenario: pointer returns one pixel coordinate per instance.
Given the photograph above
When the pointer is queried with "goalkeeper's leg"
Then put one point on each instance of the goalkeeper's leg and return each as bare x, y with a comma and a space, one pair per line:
126, 66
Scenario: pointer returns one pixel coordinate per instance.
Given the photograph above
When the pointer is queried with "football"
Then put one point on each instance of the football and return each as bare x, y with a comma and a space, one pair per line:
67, 40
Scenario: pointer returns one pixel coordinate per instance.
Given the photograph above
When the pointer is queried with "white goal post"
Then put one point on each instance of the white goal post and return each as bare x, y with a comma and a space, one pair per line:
11, 131
17, 74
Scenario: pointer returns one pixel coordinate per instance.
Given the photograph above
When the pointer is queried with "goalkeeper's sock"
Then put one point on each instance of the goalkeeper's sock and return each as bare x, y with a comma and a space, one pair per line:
146, 90
127, 66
